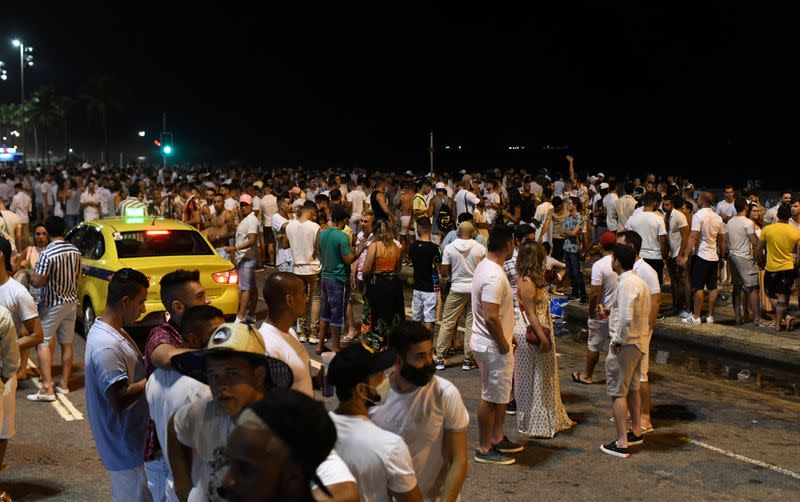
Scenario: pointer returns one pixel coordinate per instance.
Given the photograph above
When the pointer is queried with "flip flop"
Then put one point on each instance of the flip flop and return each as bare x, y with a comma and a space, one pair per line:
349, 339
576, 377
648, 430
47, 398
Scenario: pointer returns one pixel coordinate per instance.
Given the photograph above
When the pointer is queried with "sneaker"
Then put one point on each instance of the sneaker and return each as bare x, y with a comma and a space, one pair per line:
511, 409
441, 364
39, 396
691, 320
313, 340
493, 457
303, 339
506, 446
684, 314
709, 320
633, 439
468, 365
61, 390
250, 319
612, 449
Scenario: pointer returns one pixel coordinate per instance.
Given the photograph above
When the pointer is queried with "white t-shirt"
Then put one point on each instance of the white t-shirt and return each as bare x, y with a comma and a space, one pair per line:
285, 347
356, 198
542, 211
490, 284
16, 298
90, 212
167, 391
710, 225
463, 256
231, 204
677, 221
22, 205
302, 241
603, 275
13, 221
465, 201
249, 225
421, 418
650, 228
608, 202
491, 213
648, 275
378, 459
725, 208
269, 207
737, 229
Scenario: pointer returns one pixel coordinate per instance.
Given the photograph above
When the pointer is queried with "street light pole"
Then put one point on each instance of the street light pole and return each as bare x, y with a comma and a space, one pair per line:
21, 73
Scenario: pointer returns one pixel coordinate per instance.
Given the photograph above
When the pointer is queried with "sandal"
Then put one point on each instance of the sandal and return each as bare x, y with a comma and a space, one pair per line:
576, 377
347, 339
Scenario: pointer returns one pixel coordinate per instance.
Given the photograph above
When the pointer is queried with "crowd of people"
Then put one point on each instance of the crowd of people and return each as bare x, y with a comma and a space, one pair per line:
209, 410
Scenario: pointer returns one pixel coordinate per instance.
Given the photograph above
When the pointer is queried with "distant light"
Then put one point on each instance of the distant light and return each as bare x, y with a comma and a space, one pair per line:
447, 147
70, 150
459, 147
141, 158
30, 63
167, 149
4, 138
16, 42
15, 133
141, 133
4, 76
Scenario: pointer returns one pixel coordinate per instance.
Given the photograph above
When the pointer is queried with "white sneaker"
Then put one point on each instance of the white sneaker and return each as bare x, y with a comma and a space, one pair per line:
710, 320
684, 314
691, 320
303, 338
313, 340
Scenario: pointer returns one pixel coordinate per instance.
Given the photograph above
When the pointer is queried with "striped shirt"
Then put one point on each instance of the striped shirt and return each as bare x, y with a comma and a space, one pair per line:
60, 262
130, 203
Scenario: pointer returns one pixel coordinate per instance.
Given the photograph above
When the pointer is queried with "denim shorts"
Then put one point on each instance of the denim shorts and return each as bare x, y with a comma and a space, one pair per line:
247, 274
335, 297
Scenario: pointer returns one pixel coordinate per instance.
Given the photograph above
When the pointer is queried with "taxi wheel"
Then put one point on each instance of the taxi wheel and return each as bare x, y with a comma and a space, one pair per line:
88, 317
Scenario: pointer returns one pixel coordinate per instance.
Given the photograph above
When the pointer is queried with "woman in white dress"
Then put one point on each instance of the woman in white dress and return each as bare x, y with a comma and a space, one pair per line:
540, 412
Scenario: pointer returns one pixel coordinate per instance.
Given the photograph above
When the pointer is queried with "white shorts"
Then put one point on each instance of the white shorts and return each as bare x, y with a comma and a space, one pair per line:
59, 320
497, 371
423, 306
8, 409
130, 484
598, 335
404, 230
645, 366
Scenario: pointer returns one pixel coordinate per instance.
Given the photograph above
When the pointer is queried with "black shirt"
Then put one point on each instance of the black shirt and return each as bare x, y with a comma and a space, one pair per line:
380, 214
424, 255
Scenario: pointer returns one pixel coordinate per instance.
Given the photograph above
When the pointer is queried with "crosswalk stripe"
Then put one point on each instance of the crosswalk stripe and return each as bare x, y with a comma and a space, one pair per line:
62, 404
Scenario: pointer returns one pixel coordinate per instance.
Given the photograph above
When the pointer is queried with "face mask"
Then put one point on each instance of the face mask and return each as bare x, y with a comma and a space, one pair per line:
383, 392
418, 376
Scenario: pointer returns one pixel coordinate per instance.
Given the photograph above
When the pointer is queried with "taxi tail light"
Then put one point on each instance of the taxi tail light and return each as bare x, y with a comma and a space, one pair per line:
228, 277
157, 232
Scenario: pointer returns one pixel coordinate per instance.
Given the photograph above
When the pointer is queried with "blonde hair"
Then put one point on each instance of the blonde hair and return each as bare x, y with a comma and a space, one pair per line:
531, 258
383, 233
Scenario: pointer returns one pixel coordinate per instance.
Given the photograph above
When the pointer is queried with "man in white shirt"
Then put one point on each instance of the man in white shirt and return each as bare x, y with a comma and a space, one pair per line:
741, 241
725, 208
245, 253
465, 199
609, 201
378, 459
653, 231
427, 412
630, 331
459, 260
283, 254
492, 201
772, 213
302, 234
286, 296
492, 332
269, 207
678, 240
601, 297
357, 199
90, 202
168, 390
624, 207
707, 239
544, 218
22, 205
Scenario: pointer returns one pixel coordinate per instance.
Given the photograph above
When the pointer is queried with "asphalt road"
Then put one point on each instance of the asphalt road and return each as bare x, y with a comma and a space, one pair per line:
714, 438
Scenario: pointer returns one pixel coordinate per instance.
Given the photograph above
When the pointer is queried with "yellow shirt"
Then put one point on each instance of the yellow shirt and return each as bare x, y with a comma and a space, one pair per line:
418, 206
781, 239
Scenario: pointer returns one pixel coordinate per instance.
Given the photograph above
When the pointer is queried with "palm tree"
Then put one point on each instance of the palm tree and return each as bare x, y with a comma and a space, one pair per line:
103, 95
45, 112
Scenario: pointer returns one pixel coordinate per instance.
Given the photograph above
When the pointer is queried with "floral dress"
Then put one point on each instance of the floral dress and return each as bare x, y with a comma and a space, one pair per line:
540, 412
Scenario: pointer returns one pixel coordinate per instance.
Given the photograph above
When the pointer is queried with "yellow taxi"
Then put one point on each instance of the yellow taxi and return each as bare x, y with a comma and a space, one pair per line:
155, 247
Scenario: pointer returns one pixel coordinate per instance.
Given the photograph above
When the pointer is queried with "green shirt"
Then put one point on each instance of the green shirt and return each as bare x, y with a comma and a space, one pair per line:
333, 245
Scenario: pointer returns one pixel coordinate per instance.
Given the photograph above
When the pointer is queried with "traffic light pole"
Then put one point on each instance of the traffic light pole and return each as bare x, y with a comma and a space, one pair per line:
163, 132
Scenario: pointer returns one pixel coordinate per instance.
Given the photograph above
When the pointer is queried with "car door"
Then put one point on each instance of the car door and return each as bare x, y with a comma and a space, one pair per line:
95, 272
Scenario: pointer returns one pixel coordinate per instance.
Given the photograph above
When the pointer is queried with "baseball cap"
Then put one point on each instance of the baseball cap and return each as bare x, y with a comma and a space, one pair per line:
245, 199
241, 340
601, 175
603, 185
5, 248
355, 363
638, 193
607, 238
259, 184
302, 423
441, 186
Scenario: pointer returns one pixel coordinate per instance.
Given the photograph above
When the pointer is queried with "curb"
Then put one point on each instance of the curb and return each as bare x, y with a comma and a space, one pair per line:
742, 342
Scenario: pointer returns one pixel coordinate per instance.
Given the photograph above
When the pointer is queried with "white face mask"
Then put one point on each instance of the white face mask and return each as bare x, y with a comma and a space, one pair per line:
383, 392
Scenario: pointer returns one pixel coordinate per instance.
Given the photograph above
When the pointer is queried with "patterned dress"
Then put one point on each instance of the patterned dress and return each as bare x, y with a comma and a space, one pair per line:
540, 412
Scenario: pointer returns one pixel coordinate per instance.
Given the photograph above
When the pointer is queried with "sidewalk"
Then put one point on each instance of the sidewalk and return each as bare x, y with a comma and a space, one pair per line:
744, 341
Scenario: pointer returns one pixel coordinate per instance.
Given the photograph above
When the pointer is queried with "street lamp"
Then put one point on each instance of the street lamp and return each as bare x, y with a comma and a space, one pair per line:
3, 72
142, 133
25, 57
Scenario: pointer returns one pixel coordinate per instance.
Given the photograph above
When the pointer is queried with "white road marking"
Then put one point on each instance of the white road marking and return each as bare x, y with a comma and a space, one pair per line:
62, 404
759, 463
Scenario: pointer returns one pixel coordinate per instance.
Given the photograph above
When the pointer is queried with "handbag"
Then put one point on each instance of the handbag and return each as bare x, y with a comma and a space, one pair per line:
530, 334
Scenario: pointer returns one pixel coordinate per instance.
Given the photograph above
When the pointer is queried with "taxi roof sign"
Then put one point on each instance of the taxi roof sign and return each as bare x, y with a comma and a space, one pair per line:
135, 212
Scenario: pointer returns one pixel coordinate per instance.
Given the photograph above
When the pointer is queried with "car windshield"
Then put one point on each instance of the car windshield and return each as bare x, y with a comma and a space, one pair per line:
145, 243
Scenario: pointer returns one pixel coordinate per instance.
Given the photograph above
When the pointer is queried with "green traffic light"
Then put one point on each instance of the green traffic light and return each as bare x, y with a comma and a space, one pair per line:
167, 150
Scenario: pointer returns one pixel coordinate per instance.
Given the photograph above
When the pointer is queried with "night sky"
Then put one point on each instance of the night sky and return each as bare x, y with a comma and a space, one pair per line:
701, 89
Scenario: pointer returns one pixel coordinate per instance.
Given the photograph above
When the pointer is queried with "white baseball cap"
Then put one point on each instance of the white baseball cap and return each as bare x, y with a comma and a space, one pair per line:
441, 186
601, 174
603, 186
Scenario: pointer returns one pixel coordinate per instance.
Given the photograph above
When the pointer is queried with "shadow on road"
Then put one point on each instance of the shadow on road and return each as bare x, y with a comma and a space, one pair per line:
665, 415
663, 441
30, 490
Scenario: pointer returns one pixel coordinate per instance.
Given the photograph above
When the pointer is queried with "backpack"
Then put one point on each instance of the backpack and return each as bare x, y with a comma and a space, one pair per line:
444, 218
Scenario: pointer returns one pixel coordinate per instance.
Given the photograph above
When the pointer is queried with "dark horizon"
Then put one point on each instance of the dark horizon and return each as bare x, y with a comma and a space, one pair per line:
628, 89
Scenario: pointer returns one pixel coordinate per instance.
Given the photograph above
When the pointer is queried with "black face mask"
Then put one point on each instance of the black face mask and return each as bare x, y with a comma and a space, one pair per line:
418, 376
